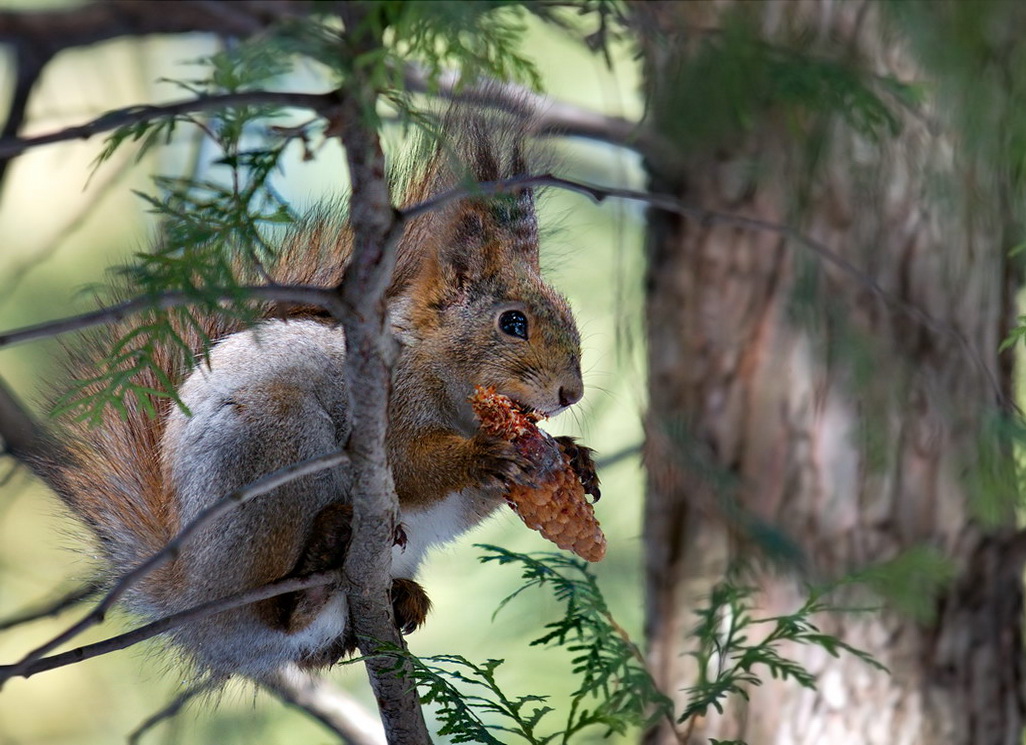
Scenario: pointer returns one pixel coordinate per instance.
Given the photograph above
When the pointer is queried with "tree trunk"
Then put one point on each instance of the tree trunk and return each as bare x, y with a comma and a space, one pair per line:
843, 414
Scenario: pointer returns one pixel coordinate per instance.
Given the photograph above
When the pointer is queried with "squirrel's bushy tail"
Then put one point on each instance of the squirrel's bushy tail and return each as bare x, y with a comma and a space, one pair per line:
110, 475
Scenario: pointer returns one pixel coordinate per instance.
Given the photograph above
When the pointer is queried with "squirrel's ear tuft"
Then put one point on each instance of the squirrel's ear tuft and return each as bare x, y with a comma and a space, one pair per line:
484, 233
464, 259
488, 150
449, 263
481, 150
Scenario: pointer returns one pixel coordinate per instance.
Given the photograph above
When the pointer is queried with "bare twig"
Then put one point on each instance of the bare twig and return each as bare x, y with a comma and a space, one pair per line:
172, 298
82, 25
20, 435
171, 551
53, 608
368, 370
172, 709
9, 476
28, 64
548, 116
330, 300
167, 623
608, 461
325, 702
321, 102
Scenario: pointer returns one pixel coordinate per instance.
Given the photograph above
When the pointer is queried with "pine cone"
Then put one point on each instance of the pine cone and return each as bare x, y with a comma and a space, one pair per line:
557, 506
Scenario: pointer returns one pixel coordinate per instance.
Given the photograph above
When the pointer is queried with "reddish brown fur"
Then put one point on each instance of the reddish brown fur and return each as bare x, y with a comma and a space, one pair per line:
112, 476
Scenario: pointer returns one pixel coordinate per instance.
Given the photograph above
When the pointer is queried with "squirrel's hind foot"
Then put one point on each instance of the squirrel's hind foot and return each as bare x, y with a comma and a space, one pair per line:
325, 549
410, 604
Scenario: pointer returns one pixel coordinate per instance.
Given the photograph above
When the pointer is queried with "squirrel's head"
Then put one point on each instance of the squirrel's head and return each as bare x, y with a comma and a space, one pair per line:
469, 281
480, 308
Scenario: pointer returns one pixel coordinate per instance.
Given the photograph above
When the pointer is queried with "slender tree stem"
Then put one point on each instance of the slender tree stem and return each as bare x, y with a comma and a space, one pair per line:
368, 375
170, 299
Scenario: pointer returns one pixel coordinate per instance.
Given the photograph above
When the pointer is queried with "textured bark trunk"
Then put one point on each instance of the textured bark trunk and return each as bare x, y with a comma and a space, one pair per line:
787, 394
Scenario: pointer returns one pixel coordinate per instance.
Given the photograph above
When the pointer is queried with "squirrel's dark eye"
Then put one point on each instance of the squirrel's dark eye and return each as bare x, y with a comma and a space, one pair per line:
514, 323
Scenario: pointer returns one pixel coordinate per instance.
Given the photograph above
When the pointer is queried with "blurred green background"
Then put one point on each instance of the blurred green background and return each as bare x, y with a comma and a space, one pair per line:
61, 225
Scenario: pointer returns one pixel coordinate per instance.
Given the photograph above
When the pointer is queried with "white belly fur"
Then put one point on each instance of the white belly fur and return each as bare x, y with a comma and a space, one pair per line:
444, 521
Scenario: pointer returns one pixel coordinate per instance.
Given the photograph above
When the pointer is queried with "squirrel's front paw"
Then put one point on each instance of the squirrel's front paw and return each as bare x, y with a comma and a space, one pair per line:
582, 463
498, 463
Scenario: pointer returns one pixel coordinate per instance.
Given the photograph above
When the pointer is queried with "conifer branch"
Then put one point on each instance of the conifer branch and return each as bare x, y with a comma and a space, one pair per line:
547, 116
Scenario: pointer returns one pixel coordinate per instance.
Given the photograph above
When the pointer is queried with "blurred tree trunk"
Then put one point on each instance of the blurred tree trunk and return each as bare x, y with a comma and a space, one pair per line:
785, 392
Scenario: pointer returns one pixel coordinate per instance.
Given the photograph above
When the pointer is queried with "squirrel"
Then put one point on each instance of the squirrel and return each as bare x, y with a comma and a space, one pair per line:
467, 306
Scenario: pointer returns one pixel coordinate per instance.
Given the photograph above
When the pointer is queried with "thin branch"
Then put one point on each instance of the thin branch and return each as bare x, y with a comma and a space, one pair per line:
29, 61
172, 709
548, 116
20, 435
320, 102
166, 624
330, 300
608, 461
53, 608
170, 299
325, 702
171, 551
83, 25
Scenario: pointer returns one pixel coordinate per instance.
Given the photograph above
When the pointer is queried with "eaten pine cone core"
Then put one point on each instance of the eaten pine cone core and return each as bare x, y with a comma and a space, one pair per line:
557, 507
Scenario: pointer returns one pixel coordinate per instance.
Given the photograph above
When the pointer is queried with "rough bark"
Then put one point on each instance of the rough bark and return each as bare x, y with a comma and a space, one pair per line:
785, 393
369, 357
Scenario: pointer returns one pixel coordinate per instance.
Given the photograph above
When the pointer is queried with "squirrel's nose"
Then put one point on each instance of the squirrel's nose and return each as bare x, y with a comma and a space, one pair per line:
569, 396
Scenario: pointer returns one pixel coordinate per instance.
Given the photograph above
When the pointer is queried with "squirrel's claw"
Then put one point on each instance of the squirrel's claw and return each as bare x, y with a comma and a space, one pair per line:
399, 536
582, 463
